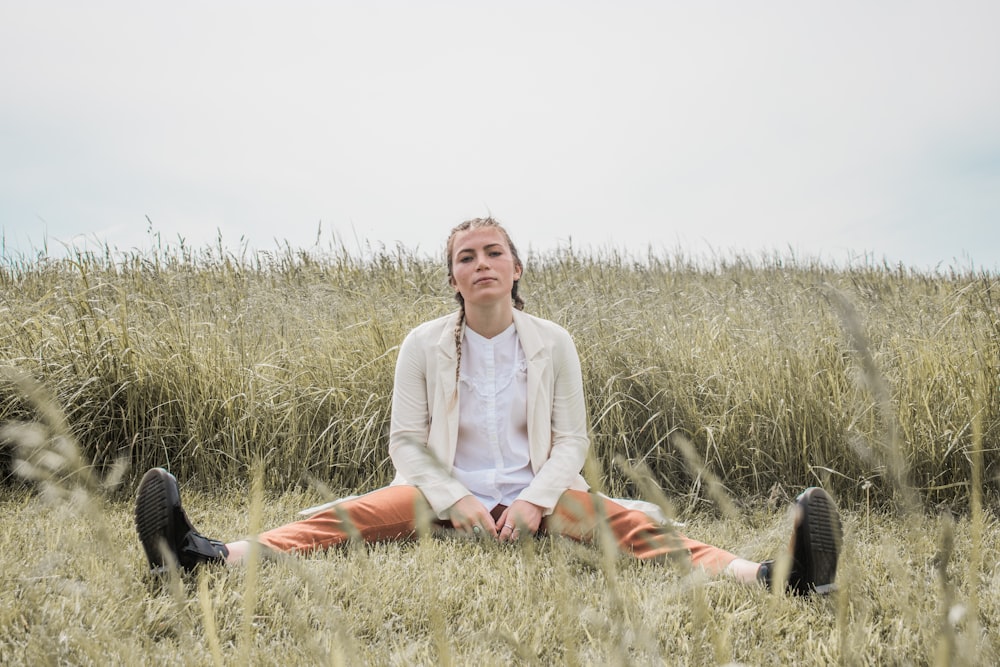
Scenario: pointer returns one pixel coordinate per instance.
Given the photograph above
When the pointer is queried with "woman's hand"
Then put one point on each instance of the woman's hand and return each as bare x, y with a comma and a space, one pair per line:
520, 516
469, 515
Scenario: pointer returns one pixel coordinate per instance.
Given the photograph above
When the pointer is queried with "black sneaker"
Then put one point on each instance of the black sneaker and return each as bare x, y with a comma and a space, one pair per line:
815, 545
816, 542
164, 529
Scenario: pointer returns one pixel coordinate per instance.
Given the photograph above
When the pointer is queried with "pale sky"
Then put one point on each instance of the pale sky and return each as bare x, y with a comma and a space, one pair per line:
835, 130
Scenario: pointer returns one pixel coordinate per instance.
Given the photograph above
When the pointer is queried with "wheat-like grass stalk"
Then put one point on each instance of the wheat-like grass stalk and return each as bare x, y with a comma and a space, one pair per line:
269, 371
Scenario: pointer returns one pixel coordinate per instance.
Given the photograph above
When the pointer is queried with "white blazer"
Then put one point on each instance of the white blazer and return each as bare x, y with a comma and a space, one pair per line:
424, 425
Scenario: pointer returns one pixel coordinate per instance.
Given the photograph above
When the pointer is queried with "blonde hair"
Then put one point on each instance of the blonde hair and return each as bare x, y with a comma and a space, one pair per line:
518, 302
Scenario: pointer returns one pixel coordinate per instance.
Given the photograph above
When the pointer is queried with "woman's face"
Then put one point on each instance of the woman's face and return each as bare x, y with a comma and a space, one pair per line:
483, 269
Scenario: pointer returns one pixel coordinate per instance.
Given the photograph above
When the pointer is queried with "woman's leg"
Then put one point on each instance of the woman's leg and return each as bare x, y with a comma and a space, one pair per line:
576, 516
386, 514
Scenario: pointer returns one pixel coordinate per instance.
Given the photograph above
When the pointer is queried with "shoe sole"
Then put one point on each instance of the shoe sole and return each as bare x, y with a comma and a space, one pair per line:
155, 498
820, 535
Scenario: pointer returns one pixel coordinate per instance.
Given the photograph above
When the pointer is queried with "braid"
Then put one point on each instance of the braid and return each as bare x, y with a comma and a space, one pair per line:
458, 345
518, 301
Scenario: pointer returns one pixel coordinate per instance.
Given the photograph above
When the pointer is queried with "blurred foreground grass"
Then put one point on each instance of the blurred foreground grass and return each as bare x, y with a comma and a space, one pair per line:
75, 593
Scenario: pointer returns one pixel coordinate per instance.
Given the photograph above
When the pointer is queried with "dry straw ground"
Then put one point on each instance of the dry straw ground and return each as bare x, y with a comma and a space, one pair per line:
262, 381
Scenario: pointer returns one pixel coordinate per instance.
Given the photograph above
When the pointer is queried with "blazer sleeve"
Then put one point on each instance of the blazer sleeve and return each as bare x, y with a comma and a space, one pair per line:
415, 461
570, 436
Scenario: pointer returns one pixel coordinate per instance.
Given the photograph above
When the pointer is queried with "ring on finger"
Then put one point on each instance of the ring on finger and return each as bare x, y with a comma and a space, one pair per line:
476, 529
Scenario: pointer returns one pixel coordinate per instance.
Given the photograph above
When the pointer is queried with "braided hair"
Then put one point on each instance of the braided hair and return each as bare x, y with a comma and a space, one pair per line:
518, 302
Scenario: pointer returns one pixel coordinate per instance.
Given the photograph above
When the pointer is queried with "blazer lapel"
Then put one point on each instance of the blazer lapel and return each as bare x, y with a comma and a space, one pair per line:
447, 392
539, 423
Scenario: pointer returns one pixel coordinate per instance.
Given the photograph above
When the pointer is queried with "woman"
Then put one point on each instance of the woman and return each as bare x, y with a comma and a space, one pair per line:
488, 432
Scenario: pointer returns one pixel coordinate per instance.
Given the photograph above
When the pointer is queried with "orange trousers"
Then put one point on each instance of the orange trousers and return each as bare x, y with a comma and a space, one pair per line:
391, 513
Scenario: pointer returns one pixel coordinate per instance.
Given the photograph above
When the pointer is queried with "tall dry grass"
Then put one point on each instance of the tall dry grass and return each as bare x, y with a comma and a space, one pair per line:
262, 379
916, 591
779, 372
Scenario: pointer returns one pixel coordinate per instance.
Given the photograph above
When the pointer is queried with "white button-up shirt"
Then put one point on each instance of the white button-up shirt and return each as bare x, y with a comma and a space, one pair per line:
492, 458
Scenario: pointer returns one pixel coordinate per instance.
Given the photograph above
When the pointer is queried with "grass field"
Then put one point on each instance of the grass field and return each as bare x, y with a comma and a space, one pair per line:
75, 593
729, 384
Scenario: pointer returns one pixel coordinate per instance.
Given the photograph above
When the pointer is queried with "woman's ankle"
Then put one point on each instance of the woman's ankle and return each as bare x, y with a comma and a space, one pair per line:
743, 570
237, 552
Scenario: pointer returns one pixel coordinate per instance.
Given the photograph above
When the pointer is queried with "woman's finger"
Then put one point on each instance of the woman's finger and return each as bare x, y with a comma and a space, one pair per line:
508, 531
481, 525
489, 525
503, 534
